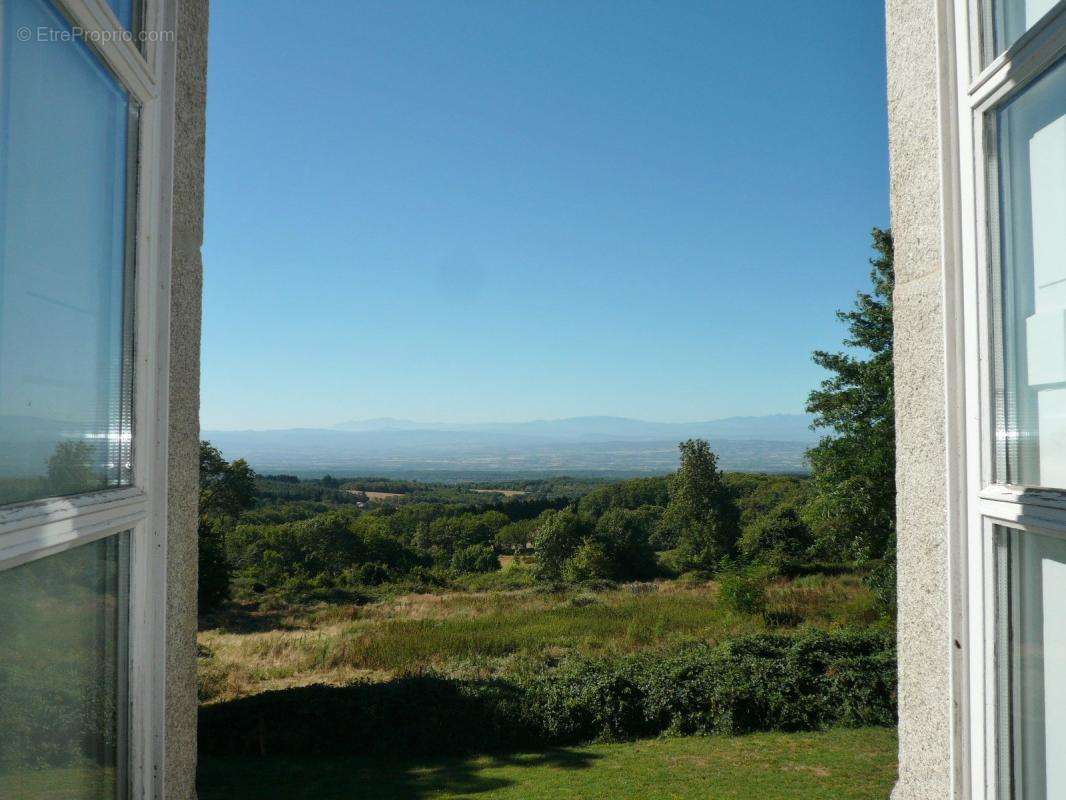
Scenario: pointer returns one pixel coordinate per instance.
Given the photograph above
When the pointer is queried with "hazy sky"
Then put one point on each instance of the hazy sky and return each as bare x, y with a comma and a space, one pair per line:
507, 210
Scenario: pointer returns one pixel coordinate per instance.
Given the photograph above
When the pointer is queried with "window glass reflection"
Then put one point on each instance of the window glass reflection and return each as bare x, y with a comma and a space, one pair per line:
1032, 603
63, 700
64, 401
1012, 18
1031, 440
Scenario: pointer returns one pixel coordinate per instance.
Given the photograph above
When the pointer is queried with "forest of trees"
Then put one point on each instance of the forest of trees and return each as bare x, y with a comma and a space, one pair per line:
303, 540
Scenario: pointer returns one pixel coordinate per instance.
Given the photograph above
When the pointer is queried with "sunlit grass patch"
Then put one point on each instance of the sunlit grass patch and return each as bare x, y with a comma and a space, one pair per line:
484, 632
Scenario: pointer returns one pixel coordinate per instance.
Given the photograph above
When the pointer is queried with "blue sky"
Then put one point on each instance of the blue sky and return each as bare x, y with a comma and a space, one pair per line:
502, 210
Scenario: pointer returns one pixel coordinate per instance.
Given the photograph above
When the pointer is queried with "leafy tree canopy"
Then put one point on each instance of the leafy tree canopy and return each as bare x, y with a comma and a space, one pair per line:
225, 491
853, 513
701, 509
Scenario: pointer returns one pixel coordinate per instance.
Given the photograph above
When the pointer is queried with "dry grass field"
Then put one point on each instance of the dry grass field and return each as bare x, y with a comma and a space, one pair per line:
378, 496
480, 634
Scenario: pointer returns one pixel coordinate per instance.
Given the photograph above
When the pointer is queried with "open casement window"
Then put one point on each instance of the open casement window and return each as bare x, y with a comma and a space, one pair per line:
86, 110
1010, 261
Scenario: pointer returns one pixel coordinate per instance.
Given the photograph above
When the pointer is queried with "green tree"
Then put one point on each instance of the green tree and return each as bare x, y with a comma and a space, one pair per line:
853, 513
777, 536
475, 558
516, 536
772, 517
701, 509
225, 491
591, 561
624, 535
631, 494
70, 469
557, 538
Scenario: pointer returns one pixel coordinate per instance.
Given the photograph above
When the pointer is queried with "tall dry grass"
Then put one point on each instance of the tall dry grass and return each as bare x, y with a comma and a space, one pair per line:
486, 633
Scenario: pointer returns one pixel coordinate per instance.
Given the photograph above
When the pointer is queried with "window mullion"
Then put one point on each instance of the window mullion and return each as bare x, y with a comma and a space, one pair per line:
1032, 54
49, 533
102, 30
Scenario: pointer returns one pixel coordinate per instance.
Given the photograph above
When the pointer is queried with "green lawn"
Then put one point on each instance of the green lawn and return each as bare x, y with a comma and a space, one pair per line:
835, 765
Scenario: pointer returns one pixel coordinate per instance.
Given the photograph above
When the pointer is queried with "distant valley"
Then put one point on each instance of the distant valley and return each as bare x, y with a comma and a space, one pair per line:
605, 446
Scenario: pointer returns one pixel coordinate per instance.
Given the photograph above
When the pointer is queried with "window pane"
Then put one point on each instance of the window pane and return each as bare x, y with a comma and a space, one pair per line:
1012, 18
64, 401
124, 11
1031, 436
1032, 601
63, 703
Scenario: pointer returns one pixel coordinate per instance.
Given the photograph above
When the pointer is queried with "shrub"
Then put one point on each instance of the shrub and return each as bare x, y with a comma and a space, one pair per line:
744, 592
588, 700
475, 558
776, 537
589, 563
371, 574
754, 683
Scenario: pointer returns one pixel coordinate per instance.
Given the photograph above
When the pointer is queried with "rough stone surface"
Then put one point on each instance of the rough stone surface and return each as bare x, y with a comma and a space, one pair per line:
921, 420
184, 434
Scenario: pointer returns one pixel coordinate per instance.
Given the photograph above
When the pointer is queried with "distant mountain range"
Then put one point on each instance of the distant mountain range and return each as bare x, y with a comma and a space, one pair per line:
786, 427
612, 446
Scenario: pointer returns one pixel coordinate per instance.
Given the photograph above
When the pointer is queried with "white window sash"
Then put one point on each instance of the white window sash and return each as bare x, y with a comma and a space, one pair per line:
970, 95
42, 528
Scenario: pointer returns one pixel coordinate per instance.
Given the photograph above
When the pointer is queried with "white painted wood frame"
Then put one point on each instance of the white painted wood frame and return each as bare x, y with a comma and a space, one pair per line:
33, 530
975, 84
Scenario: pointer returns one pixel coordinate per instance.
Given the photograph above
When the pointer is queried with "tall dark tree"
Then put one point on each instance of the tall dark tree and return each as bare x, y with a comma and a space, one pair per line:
701, 509
226, 489
854, 510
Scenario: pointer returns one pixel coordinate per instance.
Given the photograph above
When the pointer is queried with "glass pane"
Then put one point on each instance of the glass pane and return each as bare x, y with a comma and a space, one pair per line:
63, 702
1031, 440
1033, 708
124, 11
1012, 18
64, 399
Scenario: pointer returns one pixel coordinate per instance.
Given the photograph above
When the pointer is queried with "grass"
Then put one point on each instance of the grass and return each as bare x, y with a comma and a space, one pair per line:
478, 634
833, 765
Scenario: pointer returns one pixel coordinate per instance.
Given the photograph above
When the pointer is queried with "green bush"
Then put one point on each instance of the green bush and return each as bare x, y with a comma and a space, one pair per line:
744, 592
754, 683
590, 562
776, 537
475, 558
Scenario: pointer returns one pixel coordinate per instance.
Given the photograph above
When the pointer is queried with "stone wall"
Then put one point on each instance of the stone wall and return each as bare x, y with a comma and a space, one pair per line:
184, 417
921, 420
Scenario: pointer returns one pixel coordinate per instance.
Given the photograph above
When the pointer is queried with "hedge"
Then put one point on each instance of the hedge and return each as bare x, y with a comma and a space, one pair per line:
754, 683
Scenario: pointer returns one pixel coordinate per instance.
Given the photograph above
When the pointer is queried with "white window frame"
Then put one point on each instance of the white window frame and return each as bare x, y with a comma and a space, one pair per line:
29, 531
970, 93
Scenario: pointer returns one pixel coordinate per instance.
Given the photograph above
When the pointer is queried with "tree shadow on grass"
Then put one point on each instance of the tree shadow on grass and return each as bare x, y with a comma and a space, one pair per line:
410, 738
363, 778
246, 618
